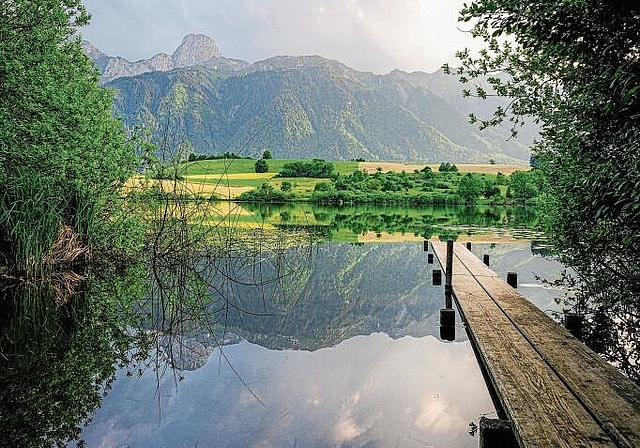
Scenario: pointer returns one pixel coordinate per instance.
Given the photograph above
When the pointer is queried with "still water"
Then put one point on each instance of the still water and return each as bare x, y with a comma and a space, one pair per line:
265, 339
343, 352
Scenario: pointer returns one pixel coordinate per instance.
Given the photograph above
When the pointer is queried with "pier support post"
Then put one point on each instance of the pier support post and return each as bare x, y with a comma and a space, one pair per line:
496, 433
468, 245
430, 258
574, 322
426, 245
485, 259
448, 333
512, 279
436, 277
448, 287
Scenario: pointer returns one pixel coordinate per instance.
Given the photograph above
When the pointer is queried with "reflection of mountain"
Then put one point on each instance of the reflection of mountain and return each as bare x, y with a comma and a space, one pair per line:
349, 290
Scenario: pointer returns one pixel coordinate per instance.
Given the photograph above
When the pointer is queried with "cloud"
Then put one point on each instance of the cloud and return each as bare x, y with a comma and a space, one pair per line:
372, 35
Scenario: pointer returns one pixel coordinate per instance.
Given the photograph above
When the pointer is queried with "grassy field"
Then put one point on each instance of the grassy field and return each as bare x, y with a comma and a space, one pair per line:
246, 166
372, 167
228, 179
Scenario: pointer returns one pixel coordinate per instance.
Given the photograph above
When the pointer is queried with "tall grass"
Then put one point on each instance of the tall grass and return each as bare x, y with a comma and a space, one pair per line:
30, 217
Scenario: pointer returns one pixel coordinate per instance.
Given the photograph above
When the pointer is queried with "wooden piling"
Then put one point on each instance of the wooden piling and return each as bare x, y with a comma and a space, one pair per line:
574, 323
496, 433
426, 245
437, 277
468, 245
448, 289
448, 333
447, 317
430, 258
512, 279
485, 259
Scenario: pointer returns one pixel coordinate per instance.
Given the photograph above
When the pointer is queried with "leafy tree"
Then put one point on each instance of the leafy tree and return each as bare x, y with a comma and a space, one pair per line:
574, 67
522, 186
470, 189
447, 167
61, 151
266, 155
261, 166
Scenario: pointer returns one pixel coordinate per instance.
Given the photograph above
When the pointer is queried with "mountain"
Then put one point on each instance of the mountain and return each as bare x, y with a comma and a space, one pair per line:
195, 50
299, 106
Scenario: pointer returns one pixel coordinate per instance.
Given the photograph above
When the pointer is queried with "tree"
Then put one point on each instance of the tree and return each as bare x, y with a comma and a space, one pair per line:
522, 186
266, 155
470, 189
261, 166
61, 150
574, 67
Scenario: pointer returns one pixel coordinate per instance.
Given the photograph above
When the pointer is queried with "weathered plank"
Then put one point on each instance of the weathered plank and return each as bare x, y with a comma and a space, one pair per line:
551, 398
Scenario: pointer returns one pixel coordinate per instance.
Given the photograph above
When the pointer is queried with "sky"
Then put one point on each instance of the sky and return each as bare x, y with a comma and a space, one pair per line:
368, 35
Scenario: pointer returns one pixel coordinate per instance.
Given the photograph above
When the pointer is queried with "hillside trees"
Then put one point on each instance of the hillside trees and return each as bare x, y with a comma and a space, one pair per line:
61, 151
574, 66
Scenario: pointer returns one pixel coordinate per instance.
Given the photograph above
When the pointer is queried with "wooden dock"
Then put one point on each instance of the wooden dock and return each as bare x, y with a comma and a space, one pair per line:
555, 391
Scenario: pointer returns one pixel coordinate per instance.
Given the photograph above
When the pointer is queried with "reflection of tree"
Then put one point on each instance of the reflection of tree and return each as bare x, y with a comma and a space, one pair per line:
57, 361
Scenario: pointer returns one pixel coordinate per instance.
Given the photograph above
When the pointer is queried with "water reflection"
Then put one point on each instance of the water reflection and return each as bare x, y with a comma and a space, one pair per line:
368, 391
348, 222
249, 343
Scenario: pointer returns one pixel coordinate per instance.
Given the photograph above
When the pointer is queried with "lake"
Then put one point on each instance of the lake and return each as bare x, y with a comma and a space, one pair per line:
334, 343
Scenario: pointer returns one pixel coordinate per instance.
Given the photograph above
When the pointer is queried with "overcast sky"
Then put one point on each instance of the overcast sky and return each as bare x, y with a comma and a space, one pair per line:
369, 35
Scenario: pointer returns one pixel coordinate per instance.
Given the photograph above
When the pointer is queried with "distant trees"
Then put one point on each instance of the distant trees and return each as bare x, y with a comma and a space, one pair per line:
447, 167
470, 189
266, 155
261, 166
317, 168
194, 157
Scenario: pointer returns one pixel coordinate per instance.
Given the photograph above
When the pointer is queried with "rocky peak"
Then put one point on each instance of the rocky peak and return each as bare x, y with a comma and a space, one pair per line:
195, 49
91, 51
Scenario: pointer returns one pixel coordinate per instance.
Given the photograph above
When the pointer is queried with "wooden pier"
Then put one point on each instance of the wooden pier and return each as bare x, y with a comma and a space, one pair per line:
555, 391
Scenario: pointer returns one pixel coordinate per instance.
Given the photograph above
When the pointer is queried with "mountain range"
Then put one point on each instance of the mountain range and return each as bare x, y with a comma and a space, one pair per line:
300, 107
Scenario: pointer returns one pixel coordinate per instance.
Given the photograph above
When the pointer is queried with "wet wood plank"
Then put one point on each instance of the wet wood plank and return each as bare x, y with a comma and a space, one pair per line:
551, 385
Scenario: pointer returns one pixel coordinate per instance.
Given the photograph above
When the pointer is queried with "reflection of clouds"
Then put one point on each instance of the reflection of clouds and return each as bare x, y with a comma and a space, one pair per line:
346, 430
366, 391
437, 415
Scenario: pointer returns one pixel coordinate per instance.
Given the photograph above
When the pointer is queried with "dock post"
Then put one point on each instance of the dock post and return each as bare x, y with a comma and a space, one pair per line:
485, 259
574, 322
512, 279
426, 245
448, 287
437, 277
448, 314
430, 258
496, 433
468, 245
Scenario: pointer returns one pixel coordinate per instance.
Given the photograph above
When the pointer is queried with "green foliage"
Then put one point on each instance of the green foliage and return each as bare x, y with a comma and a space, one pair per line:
447, 167
469, 189
317, 168
266, 154
266, 193
574, 67
59, 144
194, 157
286, 186
261, 166
523, 185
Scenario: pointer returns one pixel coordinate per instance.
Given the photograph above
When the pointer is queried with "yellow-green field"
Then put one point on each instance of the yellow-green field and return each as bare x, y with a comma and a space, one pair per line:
228, 179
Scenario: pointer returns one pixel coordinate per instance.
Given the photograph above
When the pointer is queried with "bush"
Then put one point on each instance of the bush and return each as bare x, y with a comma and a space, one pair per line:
261, 166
